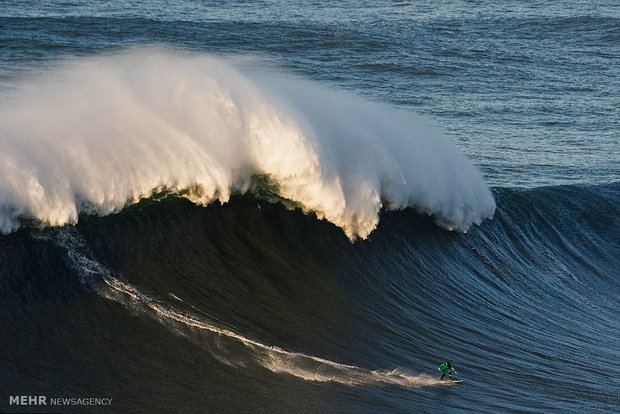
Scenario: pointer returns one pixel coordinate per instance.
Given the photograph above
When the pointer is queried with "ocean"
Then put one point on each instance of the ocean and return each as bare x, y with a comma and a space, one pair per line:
308, 206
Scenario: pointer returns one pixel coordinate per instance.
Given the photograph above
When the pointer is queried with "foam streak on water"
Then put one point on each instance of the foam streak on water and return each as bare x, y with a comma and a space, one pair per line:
97, 277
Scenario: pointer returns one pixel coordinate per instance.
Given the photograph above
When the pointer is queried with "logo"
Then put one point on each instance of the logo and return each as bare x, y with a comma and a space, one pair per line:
27, 400
38, 400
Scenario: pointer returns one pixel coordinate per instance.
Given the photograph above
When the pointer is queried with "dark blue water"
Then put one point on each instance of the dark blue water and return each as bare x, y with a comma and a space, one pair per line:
166, 305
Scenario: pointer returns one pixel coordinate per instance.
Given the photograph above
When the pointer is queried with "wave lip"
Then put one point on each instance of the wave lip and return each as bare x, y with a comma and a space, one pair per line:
98, 134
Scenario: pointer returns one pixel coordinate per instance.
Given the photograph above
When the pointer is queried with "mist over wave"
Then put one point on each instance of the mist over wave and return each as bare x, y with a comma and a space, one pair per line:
98, 134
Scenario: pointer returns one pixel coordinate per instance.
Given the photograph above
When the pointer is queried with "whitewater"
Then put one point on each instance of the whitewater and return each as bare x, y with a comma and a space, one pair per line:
93, 135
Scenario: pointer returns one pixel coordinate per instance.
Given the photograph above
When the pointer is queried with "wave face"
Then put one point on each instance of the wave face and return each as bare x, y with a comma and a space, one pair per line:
97, 134
248, 305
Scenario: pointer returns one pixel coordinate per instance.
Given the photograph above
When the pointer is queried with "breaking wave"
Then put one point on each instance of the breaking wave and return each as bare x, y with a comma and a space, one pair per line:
95, 135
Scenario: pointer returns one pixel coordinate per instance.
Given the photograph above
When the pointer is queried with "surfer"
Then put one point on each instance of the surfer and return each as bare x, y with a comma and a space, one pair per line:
447, 368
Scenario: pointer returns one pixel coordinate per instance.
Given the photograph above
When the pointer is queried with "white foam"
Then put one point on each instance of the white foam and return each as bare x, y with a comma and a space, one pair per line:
97, 277
97, 134
273, 358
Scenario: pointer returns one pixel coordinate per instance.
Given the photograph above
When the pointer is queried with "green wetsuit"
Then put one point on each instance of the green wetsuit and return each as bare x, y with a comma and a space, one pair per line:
444, 368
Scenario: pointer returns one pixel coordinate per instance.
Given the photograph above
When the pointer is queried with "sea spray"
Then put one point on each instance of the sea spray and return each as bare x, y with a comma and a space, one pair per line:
97, 134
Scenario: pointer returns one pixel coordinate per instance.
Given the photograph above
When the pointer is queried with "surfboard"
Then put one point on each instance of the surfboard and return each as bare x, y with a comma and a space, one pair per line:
448, 382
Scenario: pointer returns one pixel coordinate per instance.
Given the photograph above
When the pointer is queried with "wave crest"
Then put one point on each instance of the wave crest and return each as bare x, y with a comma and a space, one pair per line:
98, 134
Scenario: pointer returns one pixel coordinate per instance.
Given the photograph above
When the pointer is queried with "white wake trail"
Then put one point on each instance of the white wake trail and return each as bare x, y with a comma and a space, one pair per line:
97, 277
